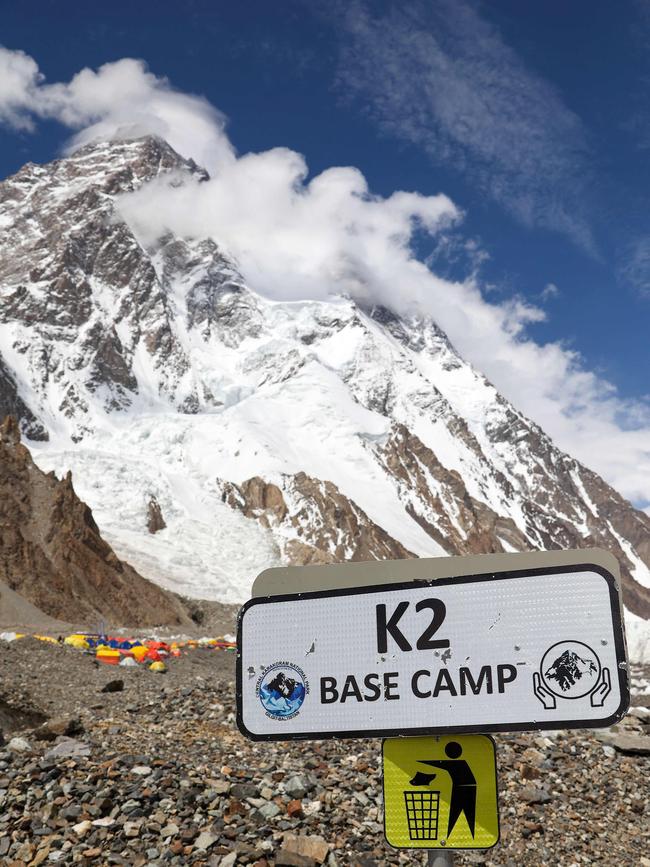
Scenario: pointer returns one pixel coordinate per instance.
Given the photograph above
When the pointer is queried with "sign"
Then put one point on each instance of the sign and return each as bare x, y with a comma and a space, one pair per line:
538, 648
440, 792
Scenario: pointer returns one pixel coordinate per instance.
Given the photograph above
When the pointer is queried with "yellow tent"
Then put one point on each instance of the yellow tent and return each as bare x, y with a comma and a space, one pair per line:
77, 641
139, 652
158, 666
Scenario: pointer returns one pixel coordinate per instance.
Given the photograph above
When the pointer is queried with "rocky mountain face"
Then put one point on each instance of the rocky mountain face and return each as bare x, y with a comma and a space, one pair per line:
313, 521
52, 554
263, 431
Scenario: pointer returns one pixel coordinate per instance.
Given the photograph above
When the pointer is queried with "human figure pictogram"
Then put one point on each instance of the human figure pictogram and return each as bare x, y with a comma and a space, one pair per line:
463, 786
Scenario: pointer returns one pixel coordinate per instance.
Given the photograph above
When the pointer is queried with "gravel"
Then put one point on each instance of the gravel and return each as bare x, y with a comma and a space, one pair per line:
158, 774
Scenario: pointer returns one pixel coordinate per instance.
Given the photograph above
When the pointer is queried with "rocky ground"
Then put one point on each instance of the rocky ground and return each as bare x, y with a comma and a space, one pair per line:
157, 773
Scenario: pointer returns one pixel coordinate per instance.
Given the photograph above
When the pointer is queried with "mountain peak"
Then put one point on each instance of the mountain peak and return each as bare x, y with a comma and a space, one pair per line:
159, 374
112, 166
147, 155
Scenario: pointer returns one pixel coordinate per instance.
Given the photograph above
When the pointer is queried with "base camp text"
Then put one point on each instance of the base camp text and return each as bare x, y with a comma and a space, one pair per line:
423, 684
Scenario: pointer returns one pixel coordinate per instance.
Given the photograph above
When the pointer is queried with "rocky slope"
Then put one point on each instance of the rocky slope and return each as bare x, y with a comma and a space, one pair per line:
265, 432
52, 554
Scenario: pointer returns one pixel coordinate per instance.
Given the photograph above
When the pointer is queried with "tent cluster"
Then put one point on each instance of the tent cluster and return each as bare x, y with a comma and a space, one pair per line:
112, 650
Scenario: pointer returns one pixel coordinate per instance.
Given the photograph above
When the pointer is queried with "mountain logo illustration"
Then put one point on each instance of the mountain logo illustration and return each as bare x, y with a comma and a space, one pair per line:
282, 690
283, 685
568, 668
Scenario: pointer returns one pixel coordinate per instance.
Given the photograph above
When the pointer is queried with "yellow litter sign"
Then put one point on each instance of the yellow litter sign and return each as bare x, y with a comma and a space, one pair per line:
440, 792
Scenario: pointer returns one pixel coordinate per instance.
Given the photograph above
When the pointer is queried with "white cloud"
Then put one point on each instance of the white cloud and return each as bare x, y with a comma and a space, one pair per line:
19, 80
119, 98
296, 237
292, 238
634, 266
439, 76
550, 291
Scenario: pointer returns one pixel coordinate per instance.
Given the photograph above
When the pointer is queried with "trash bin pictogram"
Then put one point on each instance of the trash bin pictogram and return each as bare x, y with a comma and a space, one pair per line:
422, 809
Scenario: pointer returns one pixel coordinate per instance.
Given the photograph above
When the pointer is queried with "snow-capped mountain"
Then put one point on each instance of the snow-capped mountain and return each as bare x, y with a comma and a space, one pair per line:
215, 432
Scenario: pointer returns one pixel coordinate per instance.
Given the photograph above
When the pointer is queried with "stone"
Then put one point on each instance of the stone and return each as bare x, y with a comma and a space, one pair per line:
531, 828
243, 790
61, 727
141, 770
41, 856
205, 840
296, 787
269, 810
638, 745
294, 808
310, 846
155, 520
529, 772
116, 685
25, 852
284, 858
82, 828
531, 795
19, 745
533, 756
69, 748
104, 822
641, 713
228, 860
170, 830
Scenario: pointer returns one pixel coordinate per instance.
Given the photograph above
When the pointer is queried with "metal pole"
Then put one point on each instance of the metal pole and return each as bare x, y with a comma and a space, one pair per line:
440, 859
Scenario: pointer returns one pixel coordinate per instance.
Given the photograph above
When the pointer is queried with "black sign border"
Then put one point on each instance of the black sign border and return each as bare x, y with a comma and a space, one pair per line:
528, 725
444, 848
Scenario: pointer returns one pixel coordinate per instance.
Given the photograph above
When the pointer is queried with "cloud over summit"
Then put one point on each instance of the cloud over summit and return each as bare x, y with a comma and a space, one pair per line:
296, 236
121, 96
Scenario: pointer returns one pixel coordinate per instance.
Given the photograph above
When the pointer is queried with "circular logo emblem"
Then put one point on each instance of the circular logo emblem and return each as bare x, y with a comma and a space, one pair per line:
570, 669
282, 689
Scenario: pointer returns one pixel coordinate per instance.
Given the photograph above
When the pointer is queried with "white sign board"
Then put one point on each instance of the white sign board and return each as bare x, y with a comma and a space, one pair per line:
531, 649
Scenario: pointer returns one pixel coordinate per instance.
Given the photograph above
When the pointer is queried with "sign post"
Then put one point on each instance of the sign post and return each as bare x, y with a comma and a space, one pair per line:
434, 649
539, 648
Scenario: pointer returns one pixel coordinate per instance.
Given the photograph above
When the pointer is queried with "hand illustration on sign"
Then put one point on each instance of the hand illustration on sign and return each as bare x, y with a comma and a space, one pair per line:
603, 689
544, 695
571, 670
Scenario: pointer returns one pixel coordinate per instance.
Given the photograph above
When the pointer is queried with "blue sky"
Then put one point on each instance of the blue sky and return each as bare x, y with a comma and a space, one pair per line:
532, 118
